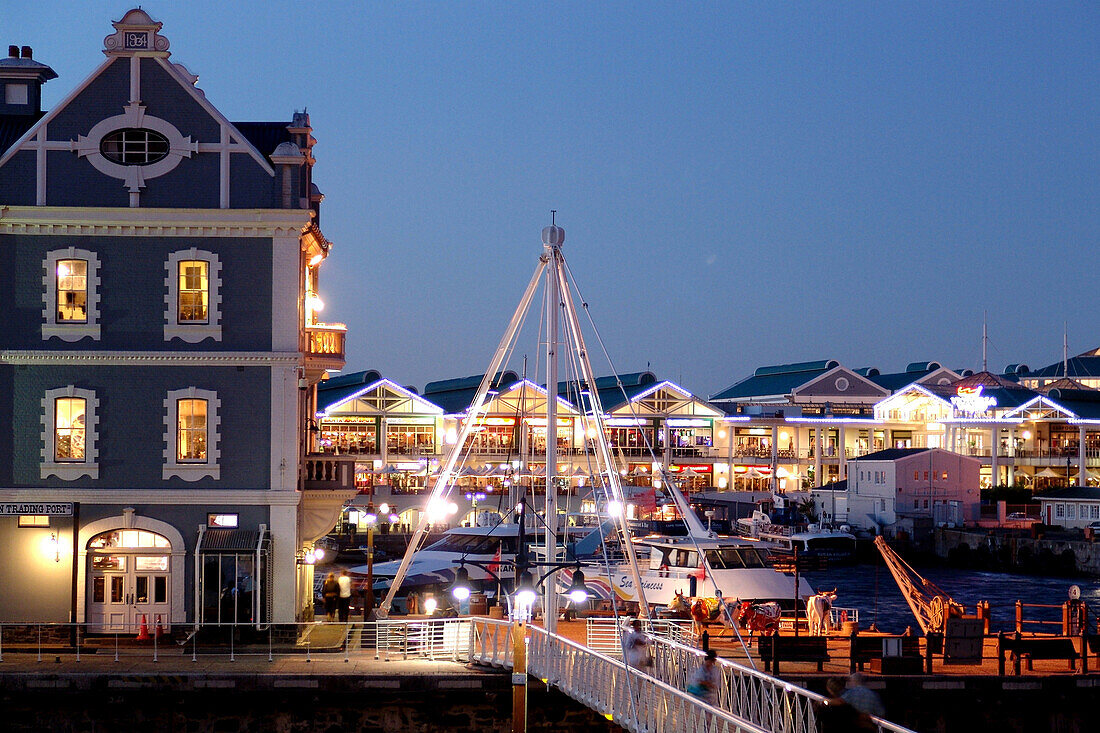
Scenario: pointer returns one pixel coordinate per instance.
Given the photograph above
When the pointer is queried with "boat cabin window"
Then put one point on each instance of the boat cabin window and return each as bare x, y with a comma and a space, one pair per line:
661, 557
687, 559
726, 559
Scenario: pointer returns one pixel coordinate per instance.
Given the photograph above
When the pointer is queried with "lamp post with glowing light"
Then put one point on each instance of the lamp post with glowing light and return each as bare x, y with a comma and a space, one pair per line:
368, 594
523, 597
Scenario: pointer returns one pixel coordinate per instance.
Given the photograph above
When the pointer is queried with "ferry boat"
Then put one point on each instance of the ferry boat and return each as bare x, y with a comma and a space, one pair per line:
834, 546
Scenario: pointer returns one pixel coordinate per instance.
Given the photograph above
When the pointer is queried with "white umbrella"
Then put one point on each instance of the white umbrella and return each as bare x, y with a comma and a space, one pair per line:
689, 472
753, 473
1048, 473
640, 471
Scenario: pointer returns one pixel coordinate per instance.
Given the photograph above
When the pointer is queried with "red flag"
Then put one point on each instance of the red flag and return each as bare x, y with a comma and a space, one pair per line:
494, 564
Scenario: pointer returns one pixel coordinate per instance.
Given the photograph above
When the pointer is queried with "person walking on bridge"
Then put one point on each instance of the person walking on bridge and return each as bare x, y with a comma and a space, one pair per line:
705, 679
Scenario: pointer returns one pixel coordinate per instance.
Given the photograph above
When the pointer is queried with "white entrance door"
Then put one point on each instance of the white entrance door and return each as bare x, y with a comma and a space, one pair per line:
127, 589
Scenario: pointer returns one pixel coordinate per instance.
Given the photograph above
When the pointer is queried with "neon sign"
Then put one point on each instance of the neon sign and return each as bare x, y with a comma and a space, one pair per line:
971, 400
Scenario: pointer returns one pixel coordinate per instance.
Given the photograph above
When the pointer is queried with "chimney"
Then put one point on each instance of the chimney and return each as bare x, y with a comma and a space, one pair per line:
21, 80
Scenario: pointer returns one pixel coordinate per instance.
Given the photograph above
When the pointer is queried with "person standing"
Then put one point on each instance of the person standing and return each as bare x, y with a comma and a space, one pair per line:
636, 646
863, 698
330, 592
705, 679
835, 715
343, 602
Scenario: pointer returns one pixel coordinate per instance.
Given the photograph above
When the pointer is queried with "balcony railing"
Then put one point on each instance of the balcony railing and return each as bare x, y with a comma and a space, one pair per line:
328, 472
325, 342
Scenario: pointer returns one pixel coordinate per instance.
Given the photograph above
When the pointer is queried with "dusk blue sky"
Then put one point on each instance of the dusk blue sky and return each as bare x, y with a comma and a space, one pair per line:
741, 184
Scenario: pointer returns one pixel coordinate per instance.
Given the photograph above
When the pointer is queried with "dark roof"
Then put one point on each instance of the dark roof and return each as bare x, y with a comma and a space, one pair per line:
214, 540
455, 395
12, 128
1083, 365
912, 373
266, 136
781, 379
1084, 403
1006, 392
608, 389
1072, 492
891, 454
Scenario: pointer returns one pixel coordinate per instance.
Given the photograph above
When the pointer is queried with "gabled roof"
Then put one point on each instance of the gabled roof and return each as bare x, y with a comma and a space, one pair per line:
386, 395
775, 381
1008, 394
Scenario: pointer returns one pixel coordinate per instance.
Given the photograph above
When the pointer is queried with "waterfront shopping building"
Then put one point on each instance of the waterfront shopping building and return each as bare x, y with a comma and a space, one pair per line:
799, 427
160, 274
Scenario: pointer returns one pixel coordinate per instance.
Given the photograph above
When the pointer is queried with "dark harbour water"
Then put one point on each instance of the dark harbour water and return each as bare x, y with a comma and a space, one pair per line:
872, 590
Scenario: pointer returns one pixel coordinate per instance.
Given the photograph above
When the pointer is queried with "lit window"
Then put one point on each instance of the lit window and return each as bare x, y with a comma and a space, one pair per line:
70, 295
191, 431
916, 475
193, 311
34, 520
191, 434
69, 429
134, 146
194, 291
69, 433
72, 291
221, 520
944, 476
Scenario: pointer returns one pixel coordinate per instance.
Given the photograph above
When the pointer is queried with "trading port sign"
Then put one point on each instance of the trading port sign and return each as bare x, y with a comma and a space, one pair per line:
47, 508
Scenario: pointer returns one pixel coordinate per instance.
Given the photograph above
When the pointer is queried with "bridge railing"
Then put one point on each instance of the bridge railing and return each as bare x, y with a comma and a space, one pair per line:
636, 701
749, 694
604, 635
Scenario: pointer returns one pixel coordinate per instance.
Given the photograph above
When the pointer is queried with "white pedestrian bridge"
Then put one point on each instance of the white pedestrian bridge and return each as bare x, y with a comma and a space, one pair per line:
653, 701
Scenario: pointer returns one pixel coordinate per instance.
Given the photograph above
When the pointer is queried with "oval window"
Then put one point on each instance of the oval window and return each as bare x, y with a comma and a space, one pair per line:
134, 146
842, 384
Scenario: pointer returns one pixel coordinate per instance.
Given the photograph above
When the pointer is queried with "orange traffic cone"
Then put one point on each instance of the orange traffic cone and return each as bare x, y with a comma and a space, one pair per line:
159, 631
143, 632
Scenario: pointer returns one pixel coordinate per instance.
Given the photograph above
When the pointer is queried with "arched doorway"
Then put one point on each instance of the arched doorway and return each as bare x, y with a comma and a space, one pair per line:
129, 579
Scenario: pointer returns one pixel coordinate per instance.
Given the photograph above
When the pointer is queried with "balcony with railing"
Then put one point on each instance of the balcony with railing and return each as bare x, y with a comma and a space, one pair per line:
328, 472
324, 345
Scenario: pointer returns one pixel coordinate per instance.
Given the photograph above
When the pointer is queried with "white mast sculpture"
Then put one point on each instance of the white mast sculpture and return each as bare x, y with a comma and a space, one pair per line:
559, 305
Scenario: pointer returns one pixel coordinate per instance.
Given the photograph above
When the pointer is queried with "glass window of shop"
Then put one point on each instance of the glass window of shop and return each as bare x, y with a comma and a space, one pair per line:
228, 588
410, 439
634, 440
536, 437
752, 442
691, 438
349, 438
494, 438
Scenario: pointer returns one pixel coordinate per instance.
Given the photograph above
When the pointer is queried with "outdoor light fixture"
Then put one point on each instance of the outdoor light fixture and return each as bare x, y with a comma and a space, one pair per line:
318, 554
614, 508
525, 590
578, 591
384, 509
430, 604
460, 589
315, 259
54, 546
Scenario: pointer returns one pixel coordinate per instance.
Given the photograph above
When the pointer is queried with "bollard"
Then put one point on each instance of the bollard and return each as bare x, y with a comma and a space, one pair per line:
1084, 650
704, 640
852, 651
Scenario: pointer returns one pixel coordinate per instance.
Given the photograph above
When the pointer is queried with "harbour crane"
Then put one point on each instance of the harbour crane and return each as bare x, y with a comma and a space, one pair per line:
928, 602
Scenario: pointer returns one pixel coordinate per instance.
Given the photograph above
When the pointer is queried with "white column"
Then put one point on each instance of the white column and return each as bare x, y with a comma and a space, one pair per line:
842, 471
817, 456
1081, 455
993, 449
284, 545
775, 458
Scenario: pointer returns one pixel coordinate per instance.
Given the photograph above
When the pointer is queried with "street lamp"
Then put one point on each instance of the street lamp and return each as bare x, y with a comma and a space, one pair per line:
368, 596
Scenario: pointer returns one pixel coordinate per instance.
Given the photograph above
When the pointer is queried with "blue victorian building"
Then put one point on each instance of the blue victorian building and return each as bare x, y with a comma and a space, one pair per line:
159, 348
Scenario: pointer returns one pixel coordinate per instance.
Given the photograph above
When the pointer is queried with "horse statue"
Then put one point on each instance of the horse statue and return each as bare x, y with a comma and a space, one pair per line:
759, 617
817, 612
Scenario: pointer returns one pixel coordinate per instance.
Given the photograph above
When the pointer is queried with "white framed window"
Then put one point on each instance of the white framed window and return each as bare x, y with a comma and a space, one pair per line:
191, 434
70, 295
1071, 511
193, 302
69, 433
1059, 511
16, 93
